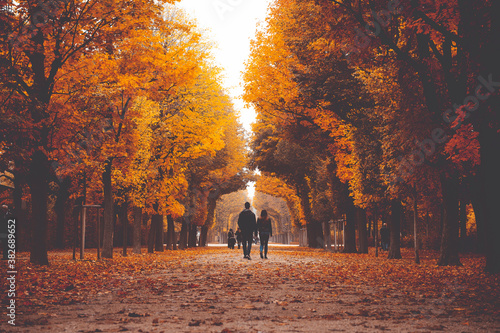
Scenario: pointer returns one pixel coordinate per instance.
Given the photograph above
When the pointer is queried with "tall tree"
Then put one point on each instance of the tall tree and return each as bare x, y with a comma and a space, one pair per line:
36, 44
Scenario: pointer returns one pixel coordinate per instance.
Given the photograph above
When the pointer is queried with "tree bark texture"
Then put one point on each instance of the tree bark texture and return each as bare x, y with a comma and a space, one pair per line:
123, 215
350, 226
183, 235
60, 210
158, 225
314, 228
193, 229
362, 233
38, 175
107, 240
449, 236
395, 230
136, 241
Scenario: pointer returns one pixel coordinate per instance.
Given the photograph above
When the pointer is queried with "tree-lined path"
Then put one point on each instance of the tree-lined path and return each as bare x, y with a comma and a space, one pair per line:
214, 290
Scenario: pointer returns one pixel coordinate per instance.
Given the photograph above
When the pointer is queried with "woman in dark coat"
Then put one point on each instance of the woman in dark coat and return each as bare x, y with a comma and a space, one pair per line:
238, 237
230, 239
265, 228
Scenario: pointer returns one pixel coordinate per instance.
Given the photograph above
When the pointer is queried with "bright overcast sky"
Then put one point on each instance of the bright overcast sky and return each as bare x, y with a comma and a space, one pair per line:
231, 24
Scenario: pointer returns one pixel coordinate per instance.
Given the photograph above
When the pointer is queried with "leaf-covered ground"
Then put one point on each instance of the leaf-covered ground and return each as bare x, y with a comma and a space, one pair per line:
216, 290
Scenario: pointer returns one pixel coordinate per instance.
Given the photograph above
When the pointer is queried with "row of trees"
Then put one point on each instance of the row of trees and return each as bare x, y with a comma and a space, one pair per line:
372, 106
113, 102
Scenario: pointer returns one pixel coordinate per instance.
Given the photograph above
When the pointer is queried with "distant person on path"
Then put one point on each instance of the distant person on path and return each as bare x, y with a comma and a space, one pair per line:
248, 226
238, 237
230, 239
384, 237
265, 228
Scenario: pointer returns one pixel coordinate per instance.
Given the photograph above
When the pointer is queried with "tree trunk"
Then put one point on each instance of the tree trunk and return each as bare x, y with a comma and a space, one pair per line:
107, 240
477, 206
415, 229
171, 241
192, 235
463, 221
350, 227
375, 232
314, 228
395, 230
151, 235
449, 237
362, 234
123, 215
441, 219
22, 230
117, 241
327, 235
136, 243
211, 206
489, 139
183, 235
158, 237
60, 210
491, 204
490, 195
39, 174
427, 223
76, 215
203, 236
174, 237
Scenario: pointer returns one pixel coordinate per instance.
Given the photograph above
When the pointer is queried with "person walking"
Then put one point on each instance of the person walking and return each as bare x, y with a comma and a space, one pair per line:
238, 237
230, 239
248, 226
384, 237
265, 228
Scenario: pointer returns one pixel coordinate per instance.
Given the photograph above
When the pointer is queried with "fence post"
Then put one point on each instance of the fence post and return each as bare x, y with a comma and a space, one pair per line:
335, 246
343, 235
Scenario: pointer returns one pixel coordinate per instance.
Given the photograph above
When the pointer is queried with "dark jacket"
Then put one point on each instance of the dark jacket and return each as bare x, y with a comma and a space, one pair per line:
384, 234
264, 225
247, 223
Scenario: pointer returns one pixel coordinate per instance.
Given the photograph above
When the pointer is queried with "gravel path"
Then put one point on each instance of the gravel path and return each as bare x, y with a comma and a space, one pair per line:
219, 291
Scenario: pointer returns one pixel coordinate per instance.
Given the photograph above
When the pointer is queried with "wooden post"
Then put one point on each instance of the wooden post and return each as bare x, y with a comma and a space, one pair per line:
343, 235
335, 237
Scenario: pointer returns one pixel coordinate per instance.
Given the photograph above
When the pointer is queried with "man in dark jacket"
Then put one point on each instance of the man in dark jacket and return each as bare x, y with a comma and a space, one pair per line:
248, 227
